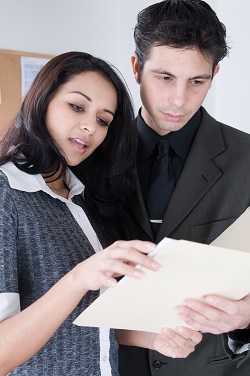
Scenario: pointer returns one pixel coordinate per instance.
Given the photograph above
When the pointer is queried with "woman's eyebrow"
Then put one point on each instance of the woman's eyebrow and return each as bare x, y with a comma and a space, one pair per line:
90, 100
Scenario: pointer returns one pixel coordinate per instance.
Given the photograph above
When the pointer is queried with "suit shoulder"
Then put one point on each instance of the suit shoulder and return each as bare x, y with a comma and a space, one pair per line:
229, 133
227, 129
236, 140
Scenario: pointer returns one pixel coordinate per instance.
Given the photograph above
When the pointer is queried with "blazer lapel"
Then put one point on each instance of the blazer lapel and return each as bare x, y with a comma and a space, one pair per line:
199, 174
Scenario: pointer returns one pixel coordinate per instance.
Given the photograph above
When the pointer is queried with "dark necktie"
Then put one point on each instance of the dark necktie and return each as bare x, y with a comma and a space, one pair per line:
161, 185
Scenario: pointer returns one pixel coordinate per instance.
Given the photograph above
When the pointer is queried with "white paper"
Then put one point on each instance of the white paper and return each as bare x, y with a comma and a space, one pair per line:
189, 270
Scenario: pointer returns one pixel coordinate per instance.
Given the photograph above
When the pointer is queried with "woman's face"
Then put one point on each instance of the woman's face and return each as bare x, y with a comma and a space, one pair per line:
79, 114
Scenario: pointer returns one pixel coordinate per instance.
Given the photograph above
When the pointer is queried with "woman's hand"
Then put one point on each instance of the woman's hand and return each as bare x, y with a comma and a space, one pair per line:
118, 259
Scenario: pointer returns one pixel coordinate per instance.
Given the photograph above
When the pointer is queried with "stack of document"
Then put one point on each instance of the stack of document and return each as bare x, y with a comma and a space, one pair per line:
189, 270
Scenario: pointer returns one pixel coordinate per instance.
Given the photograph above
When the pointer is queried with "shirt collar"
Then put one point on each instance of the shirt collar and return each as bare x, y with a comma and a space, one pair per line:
33, 183
147, 138
180, 141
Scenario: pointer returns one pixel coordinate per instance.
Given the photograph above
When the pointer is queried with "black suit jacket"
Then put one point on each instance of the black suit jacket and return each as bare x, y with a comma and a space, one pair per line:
213, 190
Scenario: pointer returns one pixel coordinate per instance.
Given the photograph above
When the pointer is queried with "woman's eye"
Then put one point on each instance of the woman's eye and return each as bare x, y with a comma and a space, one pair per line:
75, 107
102, 122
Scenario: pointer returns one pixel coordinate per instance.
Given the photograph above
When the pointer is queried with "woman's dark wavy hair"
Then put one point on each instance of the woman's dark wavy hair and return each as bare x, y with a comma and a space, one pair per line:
183, 24
108, 174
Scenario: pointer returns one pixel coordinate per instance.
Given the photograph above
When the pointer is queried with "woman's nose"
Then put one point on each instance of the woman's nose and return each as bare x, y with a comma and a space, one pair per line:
88, 126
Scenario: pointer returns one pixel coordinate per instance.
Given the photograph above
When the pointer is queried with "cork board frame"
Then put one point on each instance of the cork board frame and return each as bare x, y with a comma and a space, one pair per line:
10, 84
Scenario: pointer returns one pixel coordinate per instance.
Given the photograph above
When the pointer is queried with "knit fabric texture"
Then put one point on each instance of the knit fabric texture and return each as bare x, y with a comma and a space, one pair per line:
40, 242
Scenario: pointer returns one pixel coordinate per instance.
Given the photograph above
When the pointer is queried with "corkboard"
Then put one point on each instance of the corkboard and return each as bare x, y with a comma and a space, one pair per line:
10, 84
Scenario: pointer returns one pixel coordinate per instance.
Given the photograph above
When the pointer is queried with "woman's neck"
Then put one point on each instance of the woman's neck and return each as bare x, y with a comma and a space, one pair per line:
57, 186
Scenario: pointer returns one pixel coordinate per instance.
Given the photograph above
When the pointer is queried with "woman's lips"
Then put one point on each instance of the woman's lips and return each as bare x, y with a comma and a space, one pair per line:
78, 144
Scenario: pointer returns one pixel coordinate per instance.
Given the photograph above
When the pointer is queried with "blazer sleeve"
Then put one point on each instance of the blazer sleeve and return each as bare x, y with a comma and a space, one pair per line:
240, 338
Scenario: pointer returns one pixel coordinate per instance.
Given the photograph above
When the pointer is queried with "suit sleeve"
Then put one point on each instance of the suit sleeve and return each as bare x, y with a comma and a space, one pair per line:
237, 345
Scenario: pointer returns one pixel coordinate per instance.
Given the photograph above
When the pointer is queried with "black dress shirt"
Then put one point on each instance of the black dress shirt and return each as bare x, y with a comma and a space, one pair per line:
180, 142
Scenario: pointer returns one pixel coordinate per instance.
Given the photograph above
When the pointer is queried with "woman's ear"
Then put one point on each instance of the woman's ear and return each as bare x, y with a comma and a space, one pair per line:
136, 67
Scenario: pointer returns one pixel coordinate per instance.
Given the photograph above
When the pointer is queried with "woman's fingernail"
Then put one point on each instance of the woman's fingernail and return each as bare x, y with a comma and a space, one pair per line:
156, 266
150, 246
138, 273
112, 283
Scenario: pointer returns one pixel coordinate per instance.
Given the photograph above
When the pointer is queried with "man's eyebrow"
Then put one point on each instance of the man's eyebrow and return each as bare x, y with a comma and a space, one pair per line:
90, 100
162, 71
204, 76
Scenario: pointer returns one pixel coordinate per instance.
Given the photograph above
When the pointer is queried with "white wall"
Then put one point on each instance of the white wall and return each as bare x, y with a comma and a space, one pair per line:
232, 87
105, 29
228, 99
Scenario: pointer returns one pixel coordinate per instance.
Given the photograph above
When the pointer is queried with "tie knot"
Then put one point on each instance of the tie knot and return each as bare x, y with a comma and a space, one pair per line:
163, 147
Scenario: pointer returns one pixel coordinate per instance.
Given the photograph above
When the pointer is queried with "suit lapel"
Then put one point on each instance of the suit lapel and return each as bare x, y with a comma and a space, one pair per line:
198, 176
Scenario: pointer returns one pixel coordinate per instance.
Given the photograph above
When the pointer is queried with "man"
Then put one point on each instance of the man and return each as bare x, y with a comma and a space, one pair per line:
179, 44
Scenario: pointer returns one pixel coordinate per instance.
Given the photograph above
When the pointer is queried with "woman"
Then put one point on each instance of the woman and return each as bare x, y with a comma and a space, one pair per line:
50, 264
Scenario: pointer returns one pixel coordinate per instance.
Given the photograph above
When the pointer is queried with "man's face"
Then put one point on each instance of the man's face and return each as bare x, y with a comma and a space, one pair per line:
173, 85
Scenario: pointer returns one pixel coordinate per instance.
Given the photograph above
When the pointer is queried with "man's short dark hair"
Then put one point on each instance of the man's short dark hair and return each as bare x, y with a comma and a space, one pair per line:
183, 24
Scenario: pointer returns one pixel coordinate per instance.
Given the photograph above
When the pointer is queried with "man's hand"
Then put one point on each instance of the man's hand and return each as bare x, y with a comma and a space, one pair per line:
176, 345
216, 315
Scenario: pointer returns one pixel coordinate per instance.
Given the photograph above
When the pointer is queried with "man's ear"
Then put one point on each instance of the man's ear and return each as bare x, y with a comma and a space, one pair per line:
216, 70
136, 67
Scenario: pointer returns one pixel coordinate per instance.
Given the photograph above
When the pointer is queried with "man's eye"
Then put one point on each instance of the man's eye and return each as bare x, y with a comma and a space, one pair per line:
102, 122
165, 78
197, 82
75, 107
